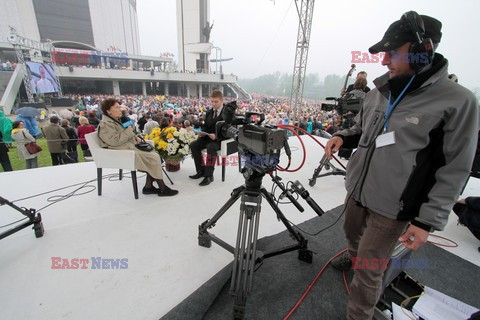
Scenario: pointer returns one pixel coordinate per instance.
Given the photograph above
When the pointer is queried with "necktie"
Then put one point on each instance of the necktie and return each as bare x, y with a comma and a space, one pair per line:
214, 114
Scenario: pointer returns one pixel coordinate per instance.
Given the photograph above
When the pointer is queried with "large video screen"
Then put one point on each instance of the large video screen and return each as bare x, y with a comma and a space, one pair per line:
42, 77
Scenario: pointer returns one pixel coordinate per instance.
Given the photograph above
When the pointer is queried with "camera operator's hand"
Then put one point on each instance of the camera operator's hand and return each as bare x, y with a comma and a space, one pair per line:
414, 237
212, 136
332, 146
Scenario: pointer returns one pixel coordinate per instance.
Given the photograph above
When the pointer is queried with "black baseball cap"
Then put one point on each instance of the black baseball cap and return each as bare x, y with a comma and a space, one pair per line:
401, 32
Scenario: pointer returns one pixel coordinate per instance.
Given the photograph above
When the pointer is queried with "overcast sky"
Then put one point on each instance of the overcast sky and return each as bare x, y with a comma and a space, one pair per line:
260, 35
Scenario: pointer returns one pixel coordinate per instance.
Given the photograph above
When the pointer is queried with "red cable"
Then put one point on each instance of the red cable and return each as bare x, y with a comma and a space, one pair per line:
304, 155
313, 137
310, 286
345, 282
455, 245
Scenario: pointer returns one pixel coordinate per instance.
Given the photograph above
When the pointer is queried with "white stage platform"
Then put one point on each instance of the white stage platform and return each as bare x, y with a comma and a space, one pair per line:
157, 235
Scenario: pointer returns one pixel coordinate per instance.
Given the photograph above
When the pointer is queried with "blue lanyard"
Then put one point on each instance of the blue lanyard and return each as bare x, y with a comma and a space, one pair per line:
391, 107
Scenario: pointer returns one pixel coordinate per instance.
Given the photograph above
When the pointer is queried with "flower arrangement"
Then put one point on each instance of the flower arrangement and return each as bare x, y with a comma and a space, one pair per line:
172, 144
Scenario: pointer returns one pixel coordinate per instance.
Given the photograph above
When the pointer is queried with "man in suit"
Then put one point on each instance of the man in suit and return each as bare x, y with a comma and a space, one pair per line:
207, 139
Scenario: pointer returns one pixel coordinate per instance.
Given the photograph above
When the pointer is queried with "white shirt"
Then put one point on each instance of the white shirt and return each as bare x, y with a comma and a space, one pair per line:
44, 86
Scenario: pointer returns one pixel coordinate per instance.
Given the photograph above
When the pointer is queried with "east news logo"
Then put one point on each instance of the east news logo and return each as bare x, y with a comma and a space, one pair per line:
93, 263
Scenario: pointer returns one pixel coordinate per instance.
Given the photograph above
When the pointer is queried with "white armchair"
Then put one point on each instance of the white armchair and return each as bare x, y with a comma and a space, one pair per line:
227, 148
114, 159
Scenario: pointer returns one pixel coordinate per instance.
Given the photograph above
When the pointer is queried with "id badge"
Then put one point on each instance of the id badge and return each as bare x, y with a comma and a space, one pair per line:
385, 139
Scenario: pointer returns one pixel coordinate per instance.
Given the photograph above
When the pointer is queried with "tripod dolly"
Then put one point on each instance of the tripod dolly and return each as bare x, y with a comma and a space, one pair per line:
325, 163
33, 218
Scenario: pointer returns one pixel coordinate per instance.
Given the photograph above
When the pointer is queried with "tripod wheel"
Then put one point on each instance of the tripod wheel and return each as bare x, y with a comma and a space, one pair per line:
238, 312
312, 182
305, 255
39, 230
204, 241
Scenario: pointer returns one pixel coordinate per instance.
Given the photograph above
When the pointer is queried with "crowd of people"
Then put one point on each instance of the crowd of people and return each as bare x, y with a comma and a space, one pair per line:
309, 116
7, 65
66, 129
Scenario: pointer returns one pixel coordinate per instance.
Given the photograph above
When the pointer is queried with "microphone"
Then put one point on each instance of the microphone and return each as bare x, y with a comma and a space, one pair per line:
298, 188
287, 193
127, 124
290, 197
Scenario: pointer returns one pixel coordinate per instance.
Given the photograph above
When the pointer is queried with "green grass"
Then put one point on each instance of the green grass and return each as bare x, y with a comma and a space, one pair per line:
43, 158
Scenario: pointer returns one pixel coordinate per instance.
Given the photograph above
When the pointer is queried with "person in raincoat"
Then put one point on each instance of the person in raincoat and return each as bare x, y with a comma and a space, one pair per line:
5, 128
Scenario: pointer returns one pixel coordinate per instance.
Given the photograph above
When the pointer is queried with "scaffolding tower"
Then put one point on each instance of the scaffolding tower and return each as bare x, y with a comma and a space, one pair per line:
305, 15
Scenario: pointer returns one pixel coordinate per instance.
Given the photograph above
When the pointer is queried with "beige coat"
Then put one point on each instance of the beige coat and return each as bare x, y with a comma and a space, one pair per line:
22, 137
55, 135
113, 136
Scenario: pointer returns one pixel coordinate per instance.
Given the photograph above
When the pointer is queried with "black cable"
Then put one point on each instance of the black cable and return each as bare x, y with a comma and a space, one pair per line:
6, 225
58, 198
365, 165
73, 185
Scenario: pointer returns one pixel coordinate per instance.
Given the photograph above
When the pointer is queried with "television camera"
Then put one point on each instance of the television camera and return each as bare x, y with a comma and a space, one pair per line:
347, 106
260, 147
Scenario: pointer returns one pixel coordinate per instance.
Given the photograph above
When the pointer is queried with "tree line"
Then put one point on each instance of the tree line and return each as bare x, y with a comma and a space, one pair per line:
280, 84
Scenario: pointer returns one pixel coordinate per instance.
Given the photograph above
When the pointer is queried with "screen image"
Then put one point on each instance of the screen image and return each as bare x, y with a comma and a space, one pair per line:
42, 77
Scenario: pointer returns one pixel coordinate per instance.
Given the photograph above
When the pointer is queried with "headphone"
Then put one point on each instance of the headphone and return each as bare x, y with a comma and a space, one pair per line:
421, 52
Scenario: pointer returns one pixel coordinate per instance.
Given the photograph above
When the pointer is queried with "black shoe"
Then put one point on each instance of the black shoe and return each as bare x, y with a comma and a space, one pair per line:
167, 192
206, 181
343, 262
151, 190
198, 175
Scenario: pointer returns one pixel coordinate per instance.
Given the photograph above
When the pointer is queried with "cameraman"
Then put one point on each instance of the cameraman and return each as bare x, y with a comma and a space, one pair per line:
360, 75
416, 137
358, 91
207, 139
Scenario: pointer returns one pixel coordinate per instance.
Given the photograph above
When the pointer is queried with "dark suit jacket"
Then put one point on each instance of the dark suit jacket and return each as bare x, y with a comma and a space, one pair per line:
209, 123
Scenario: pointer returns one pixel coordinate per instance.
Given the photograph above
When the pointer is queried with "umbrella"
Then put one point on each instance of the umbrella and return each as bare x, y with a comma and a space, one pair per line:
28, 112
65, 114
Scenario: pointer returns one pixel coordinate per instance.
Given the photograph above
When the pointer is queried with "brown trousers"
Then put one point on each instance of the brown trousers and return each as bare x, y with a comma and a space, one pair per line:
370, 236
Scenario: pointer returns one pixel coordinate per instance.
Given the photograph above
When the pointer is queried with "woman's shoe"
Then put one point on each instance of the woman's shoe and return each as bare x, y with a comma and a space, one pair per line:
151, 190
167, 192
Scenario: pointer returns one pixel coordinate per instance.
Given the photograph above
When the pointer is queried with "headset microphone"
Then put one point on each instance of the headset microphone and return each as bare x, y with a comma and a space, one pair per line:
421, 52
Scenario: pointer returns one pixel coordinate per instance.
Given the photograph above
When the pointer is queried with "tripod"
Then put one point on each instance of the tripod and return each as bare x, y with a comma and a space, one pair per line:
33, 218
246, 258
325, 163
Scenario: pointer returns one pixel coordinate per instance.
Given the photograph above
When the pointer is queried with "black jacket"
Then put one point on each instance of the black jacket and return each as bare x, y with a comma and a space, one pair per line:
210, 122
351, 87
469, 214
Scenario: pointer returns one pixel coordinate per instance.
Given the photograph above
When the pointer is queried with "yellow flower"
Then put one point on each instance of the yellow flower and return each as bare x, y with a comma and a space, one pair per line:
162, 145
169, 136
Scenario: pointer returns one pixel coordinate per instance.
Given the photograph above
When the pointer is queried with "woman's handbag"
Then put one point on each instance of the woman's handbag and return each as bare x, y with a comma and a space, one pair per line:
32, 147
144, 146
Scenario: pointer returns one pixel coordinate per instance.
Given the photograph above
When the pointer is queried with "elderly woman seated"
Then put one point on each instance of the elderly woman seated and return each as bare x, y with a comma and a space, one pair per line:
115, 135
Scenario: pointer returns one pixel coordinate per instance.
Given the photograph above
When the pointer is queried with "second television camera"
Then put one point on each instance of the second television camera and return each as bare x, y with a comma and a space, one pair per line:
347, 107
